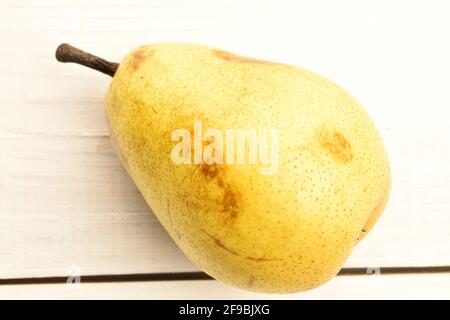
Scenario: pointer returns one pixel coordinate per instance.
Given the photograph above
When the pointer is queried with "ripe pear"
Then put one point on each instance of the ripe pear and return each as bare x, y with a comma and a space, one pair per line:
285, 232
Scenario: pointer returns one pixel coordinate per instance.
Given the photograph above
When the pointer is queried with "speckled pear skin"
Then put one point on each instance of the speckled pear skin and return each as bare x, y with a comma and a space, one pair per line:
288, 232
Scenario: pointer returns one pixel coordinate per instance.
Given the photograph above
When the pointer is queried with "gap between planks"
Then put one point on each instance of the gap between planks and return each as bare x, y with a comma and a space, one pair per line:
203, 276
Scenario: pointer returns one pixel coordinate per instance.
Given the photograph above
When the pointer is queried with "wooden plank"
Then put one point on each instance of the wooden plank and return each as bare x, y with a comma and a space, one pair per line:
423, 286
65, 200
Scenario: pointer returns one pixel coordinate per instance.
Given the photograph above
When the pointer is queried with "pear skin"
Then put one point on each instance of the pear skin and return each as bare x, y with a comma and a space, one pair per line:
285, 232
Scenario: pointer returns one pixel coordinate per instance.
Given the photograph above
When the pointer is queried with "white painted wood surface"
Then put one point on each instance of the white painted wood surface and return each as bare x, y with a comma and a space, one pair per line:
66, 201
422, 286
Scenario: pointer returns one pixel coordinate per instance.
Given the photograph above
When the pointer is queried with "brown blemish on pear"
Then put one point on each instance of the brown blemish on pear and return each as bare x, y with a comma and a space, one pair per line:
231, 199
138, 57
251, 281
335, 144
219, 244
228, 56
209, 171
372, 218
231, 202
262, 259
169, 214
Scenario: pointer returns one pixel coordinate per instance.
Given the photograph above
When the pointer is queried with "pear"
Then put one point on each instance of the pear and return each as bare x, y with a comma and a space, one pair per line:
283, 230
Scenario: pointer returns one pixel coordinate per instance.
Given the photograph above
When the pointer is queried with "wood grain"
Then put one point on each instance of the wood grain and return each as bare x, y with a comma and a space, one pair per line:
66, 201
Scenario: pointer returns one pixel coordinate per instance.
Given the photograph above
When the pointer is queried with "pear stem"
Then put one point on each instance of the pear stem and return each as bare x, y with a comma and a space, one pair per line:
67, 53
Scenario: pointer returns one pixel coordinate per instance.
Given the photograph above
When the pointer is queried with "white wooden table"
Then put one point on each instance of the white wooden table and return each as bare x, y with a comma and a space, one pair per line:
67, 207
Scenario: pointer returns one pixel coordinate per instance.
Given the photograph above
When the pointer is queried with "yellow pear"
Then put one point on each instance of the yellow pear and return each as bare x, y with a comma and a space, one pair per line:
282, 226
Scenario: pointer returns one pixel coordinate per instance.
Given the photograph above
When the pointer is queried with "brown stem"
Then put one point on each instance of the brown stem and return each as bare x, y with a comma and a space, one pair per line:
67, 53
